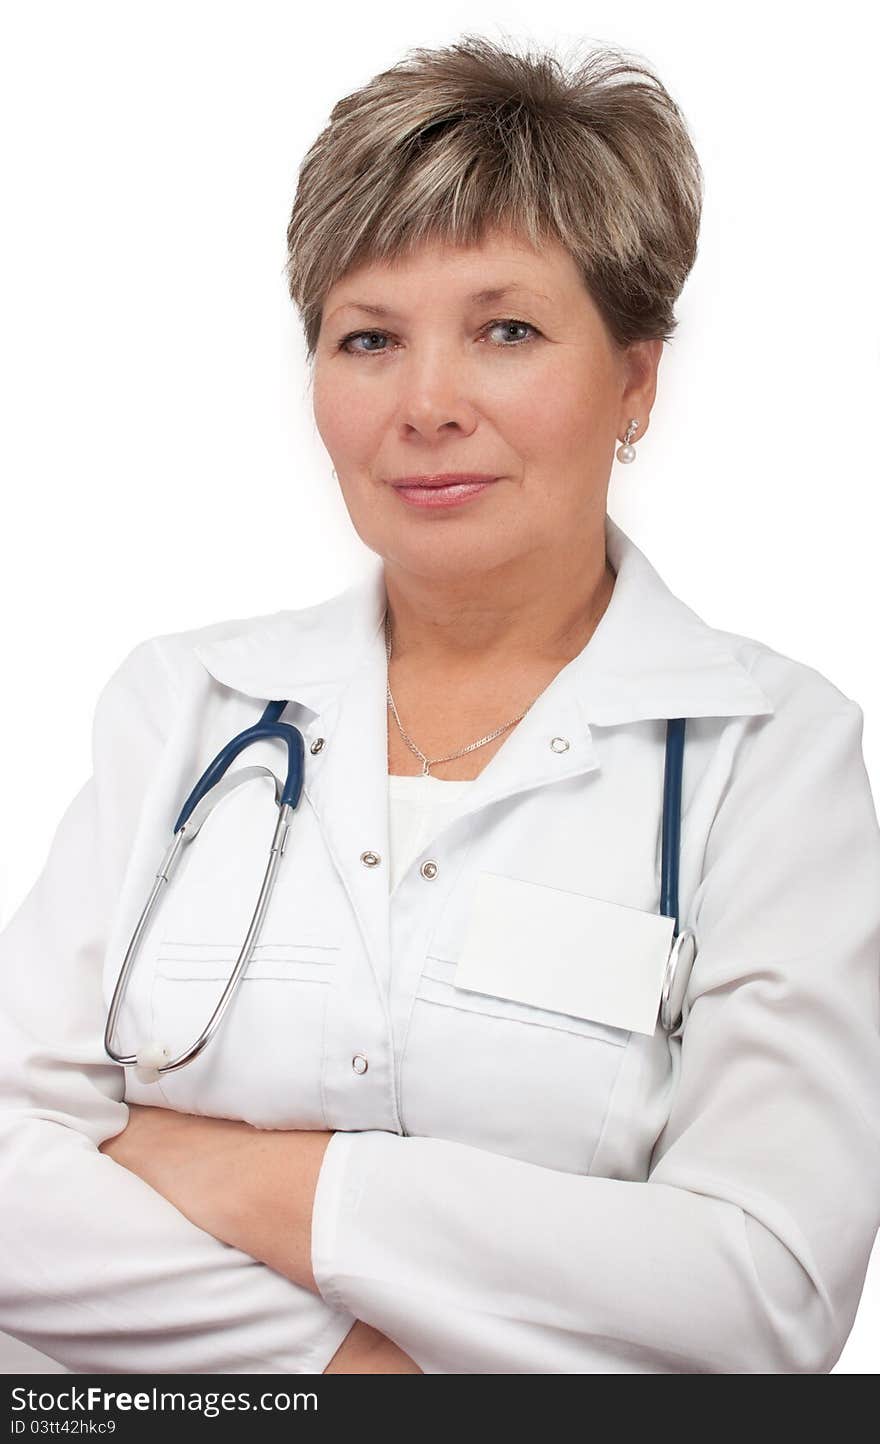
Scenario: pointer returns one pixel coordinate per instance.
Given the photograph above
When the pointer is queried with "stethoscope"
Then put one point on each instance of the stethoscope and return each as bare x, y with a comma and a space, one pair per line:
152, 1059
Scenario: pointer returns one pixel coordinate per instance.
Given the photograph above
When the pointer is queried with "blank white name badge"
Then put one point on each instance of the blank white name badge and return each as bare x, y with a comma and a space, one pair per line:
563, 951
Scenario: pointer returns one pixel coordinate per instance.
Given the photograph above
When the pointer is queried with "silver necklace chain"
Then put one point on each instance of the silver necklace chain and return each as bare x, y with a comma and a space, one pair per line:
426, 763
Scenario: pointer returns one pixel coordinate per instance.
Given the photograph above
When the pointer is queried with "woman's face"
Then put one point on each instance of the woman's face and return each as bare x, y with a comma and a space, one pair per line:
524, 386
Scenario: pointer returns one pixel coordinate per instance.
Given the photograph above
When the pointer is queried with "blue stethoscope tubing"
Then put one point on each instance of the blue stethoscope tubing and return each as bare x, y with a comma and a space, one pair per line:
671, 828
267, 727
153, 1058
683, 952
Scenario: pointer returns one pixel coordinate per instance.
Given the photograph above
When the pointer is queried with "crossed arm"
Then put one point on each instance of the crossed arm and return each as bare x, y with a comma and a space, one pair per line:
252, 1188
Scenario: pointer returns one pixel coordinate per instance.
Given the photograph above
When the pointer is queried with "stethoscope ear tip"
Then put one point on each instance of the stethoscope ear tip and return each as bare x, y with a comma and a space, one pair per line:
150, 1057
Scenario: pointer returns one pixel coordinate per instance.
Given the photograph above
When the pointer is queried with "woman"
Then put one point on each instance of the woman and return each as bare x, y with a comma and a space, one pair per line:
425, 1158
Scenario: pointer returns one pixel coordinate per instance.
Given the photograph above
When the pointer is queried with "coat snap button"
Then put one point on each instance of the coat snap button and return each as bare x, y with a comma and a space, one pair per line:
428, 869
317, 744
370, 859
359, 1063
560, 744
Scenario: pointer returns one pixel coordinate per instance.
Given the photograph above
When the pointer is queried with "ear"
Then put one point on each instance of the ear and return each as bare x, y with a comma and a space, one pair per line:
641, 361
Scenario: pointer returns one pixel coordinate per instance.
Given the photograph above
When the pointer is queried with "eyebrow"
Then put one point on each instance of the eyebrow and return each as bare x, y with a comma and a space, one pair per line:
477, 298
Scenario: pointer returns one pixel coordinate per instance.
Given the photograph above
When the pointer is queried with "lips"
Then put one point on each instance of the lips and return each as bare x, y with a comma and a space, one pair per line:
437, 492
445, 478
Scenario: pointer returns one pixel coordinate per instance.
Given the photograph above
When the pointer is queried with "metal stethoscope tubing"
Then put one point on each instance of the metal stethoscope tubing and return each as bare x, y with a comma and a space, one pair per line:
152, 1059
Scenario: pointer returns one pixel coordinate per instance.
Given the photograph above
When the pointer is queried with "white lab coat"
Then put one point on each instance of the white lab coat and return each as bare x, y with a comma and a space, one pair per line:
509, 1188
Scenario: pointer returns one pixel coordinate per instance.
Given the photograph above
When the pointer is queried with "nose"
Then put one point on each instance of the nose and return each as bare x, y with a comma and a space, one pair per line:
432, 395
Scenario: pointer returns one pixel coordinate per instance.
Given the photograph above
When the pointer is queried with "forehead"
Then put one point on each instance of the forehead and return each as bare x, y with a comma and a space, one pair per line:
497, 268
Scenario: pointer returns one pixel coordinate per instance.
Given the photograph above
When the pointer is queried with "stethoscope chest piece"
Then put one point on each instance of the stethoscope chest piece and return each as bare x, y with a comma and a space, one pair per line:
679, 967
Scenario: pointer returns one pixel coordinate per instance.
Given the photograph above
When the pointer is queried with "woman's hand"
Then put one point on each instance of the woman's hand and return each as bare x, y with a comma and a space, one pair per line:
250, 1187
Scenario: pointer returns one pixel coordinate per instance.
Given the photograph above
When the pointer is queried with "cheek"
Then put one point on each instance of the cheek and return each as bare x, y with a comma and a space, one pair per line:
346, 417
557, 411
561, 427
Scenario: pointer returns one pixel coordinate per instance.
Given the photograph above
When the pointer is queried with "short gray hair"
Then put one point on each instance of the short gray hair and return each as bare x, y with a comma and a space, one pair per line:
451, 143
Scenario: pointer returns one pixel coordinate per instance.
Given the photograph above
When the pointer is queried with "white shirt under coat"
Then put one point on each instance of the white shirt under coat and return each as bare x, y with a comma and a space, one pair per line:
509, 1188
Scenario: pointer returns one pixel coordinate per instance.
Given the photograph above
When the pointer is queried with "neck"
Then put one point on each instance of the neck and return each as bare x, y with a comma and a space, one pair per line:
462, 624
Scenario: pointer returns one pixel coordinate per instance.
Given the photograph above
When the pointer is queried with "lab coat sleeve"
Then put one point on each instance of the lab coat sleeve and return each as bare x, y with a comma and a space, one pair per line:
746, 1248
97, 1269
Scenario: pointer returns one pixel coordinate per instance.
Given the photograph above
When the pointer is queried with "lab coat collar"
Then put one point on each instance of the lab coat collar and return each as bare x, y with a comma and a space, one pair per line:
650, 656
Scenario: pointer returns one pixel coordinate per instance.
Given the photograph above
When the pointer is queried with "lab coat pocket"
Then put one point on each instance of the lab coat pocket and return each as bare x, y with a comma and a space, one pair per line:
531, 1075
264, 1063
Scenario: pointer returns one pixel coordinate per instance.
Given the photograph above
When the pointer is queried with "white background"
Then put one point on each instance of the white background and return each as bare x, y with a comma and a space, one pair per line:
161, 467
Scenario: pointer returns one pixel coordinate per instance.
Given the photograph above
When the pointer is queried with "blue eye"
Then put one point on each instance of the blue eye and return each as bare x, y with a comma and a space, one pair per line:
511, 322
356, 335
508, 321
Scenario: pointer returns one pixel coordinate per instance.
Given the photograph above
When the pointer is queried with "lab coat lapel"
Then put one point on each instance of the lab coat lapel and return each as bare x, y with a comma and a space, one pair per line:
651, 656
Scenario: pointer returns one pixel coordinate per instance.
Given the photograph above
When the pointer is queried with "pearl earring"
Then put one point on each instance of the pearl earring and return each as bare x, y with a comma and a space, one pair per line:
627, 452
